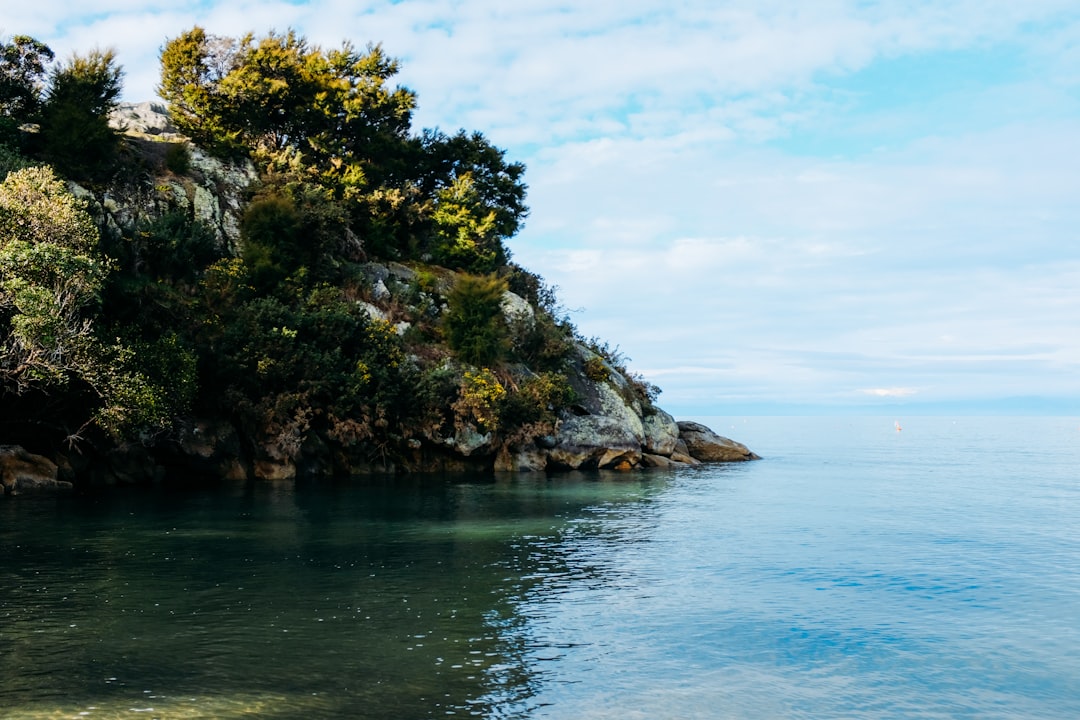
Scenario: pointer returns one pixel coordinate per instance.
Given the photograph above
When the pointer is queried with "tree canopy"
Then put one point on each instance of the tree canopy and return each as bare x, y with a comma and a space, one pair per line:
333, 118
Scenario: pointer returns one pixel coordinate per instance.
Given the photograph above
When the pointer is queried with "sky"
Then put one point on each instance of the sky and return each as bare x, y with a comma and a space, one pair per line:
767, 206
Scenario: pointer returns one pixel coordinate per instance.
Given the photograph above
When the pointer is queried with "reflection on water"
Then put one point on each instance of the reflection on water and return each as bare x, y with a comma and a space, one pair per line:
385, 599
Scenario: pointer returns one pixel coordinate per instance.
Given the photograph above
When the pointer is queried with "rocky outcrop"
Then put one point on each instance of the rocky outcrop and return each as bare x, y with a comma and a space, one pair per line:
612, 422
594, 441
705, 445
197, 185
661, 433
22, 472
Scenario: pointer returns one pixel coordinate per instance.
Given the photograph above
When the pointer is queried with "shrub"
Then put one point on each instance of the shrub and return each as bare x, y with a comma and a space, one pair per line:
532, 408
474, 324
178, 158
596, 369
479, 400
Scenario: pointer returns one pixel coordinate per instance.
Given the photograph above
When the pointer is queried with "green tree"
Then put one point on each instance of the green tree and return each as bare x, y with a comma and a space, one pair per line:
50, 281
51, 278
465, 235
192, 65
76, 135
23, 63
498, 185
474, 324
279, 92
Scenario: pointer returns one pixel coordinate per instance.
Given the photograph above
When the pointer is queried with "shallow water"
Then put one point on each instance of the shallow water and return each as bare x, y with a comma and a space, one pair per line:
856, 572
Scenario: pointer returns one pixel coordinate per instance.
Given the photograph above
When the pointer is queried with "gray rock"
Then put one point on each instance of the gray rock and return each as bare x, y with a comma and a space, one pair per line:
468, 440
705, 445
517, 308
610, 397
594, 441
374, 311
22, 471
145, 118
529, 458
659, 461
661, 433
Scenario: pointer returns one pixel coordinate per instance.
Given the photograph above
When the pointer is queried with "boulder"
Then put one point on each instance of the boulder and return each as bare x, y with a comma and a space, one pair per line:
22, 471
705, 445
145, 118
529, 458
517, 309
661, 433
275, 470
649, 460
594, 441
468, 440
610, 396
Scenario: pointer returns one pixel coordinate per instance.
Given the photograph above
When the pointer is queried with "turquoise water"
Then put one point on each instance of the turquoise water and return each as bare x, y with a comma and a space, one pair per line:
856, 572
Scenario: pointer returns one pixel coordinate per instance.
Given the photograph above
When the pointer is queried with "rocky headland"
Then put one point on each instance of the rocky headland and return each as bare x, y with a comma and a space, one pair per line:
608, 419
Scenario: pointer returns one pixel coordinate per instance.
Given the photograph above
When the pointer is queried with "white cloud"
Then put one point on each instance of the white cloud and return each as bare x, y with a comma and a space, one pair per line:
895, 392
678, 194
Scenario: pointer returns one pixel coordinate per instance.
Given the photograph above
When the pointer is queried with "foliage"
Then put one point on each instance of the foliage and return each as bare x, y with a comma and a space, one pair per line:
36, 207
473, 323
279, 92
293, 230
646, 391
495, 184
11, 160
596, 369
23, 63
271, 240
76, 137
178, 158
51, 281
479, 399
465, 230
323, 358
531, 409
331, 118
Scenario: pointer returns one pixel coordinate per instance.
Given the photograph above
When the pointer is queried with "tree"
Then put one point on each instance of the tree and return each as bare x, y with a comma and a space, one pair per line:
50, 281
497, 184
23, 62
51, 278
191, 67
332, 118
279, 92
465, 235
76, 135
474, 325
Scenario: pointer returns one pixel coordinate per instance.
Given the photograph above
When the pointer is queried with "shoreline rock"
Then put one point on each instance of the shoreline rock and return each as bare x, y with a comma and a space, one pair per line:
22, 471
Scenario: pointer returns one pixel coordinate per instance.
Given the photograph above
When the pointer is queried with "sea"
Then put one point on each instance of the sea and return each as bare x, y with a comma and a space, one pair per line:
865, 568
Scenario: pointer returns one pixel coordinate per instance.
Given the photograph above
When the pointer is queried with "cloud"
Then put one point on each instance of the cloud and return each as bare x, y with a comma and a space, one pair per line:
896, 392
756, 200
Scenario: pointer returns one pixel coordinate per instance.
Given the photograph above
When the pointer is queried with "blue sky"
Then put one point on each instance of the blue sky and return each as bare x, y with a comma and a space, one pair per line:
769, 206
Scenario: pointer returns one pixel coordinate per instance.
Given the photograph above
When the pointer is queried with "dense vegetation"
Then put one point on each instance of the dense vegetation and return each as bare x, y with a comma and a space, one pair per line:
113, 335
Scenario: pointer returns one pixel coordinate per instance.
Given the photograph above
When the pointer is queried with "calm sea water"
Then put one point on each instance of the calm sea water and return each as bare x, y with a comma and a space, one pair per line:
856, 572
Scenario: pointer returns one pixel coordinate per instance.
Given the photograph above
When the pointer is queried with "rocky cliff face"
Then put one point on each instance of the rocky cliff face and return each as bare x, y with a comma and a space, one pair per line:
608, 425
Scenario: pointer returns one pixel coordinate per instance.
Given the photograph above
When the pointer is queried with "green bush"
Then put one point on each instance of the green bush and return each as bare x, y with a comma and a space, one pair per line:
178, 158
474, 324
